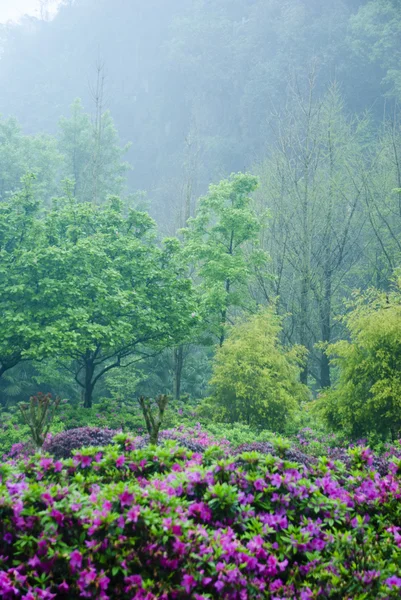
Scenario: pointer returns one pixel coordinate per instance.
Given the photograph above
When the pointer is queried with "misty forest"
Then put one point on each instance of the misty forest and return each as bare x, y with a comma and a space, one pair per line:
200, 300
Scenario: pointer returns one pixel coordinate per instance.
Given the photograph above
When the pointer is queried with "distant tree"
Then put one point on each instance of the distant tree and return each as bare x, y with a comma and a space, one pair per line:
382, 199
376, 38
221, 242
366, 398
21, 154
92, 152
255, 378
311, 184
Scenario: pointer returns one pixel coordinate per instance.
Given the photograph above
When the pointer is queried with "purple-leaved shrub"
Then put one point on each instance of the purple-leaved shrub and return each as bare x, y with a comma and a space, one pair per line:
63, 444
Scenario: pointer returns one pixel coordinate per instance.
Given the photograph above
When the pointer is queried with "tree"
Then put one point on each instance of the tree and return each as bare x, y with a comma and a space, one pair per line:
312, 187
118, 294
366, 396
217, 240
376, 38
21, 321
255, 378
92, 152
382, 198
21, 154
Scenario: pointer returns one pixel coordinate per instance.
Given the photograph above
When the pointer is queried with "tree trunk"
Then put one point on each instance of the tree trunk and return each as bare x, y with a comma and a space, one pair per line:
89, 385
9, 365
178, 366
304, 323
224, 313
325, 380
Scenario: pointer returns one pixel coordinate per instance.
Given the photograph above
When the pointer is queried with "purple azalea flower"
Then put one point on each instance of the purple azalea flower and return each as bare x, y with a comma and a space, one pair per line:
76, 560
393, 582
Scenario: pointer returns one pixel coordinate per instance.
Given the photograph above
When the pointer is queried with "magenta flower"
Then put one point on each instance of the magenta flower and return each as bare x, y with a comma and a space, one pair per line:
126, 498
64, 587
133, 514
188, 583
259, 485
46, 463
393, 582
76, 560
120, 461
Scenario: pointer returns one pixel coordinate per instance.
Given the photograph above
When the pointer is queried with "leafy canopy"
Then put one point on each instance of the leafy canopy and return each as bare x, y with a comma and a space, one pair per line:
222, 244
88, 285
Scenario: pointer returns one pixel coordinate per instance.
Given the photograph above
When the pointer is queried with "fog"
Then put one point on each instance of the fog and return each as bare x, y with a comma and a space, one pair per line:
14, 10
214, 73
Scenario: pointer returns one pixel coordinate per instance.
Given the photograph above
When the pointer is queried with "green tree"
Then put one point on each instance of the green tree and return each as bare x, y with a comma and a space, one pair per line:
255, 378
222, 245
92, 153
116, 292
382, 197
21, 154
376, 38
311, 184
21, 320
367, 395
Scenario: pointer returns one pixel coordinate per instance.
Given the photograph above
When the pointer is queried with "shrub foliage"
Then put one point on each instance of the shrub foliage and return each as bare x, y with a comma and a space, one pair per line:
256, 379
145, 523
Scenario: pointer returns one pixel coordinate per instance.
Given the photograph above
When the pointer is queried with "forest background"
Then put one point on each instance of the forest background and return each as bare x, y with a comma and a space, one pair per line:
177, 95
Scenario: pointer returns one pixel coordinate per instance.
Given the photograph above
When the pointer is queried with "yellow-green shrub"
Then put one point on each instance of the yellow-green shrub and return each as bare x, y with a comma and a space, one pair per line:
255, 378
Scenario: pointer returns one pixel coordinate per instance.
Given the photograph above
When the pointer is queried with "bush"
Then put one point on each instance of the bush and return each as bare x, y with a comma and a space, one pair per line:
63, 444
255, 379
128, 523
12, 432
366, 399
115, 414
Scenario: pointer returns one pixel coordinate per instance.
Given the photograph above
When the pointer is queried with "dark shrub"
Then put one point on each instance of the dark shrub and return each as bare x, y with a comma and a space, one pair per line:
63, 444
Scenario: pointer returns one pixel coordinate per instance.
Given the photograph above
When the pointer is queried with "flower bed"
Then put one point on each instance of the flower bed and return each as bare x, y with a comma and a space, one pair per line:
139, 523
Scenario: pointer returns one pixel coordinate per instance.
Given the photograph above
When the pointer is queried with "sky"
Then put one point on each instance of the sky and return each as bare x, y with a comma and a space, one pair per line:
12, 10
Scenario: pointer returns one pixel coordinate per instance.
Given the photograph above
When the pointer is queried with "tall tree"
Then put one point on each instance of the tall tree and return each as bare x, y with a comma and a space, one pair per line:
21, 154
382, 198
217, 240
92, 151
376, 40
22, 317
312, 184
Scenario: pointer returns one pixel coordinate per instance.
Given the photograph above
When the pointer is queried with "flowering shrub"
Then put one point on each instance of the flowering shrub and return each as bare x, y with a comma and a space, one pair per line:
63, 444
144, 523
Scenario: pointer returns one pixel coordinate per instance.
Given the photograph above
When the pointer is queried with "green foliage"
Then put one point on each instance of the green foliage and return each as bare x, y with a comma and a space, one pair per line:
255, 379
21, 154
12, 431
113, 289
367, 396
87, 285
92, 155
22, 318
38, 414
222, 244
376, 37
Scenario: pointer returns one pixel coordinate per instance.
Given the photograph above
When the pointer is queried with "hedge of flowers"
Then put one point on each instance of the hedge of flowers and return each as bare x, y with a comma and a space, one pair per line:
143, 523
